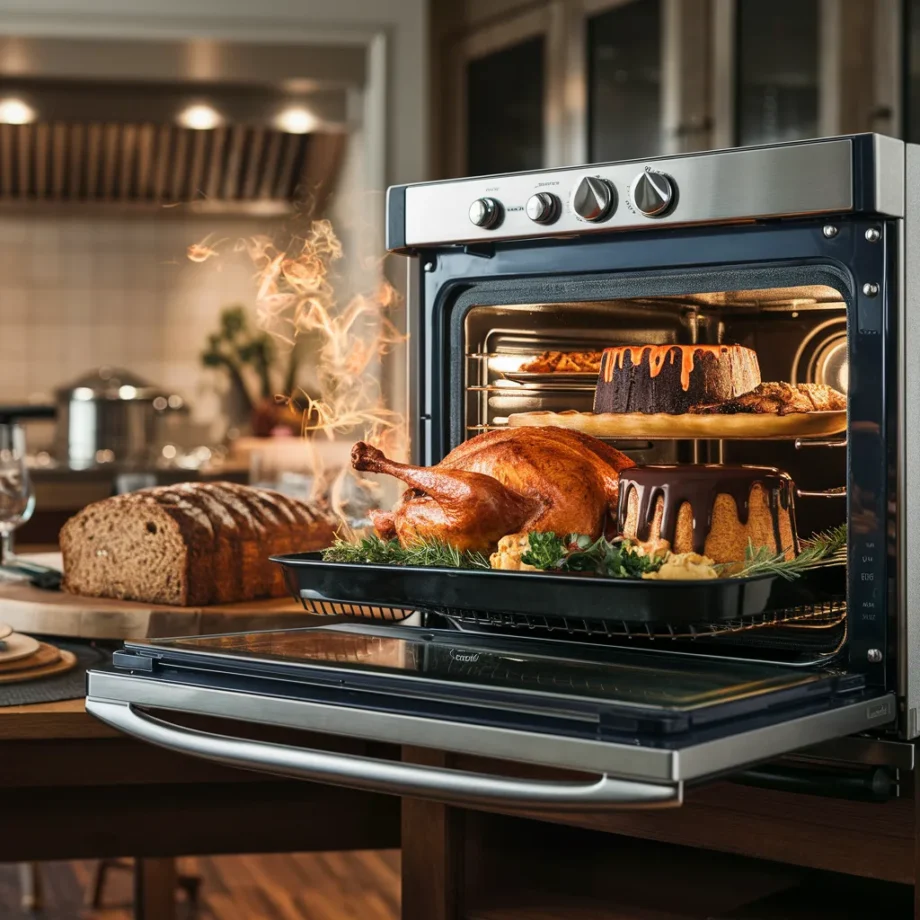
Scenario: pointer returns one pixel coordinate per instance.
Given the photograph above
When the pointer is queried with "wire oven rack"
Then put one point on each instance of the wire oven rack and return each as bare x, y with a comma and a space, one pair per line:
826, 615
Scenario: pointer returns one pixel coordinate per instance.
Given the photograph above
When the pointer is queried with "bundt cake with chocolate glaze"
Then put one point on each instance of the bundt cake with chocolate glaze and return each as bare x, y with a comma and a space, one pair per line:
672, 378
709, 509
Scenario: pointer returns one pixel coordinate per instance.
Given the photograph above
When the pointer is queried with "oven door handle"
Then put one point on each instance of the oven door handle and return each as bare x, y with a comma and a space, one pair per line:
456, 786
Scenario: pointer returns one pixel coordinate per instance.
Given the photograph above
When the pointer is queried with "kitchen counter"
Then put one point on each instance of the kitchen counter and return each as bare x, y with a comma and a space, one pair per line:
727, 848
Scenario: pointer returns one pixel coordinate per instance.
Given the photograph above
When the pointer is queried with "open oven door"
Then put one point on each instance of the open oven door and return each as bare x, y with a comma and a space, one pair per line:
642, 724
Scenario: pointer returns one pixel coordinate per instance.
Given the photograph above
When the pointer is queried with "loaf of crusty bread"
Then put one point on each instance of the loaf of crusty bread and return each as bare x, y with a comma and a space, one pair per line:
189, 544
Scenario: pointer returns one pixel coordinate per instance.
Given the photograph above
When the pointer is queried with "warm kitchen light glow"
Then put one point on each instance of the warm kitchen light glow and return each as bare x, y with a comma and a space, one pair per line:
200, 117
84, 394
16, 112
126, 391
296, 120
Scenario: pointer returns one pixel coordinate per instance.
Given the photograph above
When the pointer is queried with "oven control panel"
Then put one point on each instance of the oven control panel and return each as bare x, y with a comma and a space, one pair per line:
724, 186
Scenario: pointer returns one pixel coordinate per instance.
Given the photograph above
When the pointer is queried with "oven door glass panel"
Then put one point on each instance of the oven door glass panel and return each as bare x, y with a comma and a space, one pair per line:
638, 718
777, 71
624, 82
505, 92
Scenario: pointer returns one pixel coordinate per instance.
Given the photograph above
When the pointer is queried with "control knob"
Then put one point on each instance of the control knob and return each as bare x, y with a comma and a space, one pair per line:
543, 208
593, 199
652, 193
486, 213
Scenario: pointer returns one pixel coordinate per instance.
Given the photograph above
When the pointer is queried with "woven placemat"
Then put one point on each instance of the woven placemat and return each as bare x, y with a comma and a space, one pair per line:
69, 686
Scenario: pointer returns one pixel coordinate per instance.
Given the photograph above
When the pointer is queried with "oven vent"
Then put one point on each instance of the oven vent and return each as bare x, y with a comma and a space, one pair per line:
233, 168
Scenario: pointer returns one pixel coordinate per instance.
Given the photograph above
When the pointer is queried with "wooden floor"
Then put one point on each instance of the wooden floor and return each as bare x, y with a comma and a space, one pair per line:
315, 886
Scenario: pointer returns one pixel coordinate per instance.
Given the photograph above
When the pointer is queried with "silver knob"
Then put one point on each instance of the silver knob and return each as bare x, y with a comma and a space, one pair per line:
485, 213
543, 208
594, 199
652, 193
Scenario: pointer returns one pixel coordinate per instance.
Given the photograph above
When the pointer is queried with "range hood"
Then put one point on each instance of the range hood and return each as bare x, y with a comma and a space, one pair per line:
91, 137
237, 168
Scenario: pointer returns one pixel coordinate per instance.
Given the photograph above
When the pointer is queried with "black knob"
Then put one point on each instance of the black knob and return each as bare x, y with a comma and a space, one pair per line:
594, 199
652, 193
543, 208
486, 213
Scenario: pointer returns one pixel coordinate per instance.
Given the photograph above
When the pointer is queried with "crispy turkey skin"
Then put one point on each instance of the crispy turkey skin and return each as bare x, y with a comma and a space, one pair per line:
501, 483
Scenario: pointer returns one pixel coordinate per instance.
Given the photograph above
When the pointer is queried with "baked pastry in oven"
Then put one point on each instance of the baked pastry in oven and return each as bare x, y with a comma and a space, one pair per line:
564, 362
711, 510
671, 378
779, 399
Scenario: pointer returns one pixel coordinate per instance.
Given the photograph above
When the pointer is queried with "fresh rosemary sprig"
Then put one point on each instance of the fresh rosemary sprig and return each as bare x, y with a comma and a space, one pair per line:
828, 548
434, 553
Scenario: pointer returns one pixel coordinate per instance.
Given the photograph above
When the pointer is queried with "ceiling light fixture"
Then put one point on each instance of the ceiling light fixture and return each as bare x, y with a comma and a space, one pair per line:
16, 112
200, 117
296, 120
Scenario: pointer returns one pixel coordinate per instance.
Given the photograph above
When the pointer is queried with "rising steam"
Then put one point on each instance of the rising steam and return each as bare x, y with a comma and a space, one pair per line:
295, 297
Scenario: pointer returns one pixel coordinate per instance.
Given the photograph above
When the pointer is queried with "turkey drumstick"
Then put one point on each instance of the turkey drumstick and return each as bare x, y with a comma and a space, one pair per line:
467, 510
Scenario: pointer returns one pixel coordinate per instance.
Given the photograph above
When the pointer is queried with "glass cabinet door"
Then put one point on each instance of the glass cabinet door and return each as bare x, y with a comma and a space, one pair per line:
624, 62
776, 70
505, 109
912, 72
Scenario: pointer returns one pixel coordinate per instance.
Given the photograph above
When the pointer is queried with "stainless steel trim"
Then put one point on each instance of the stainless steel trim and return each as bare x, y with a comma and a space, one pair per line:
745, 184
889, 156
623, 761
382, 775
907, 500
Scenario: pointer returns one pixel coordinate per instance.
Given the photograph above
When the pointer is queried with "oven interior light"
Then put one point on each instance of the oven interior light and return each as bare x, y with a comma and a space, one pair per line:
16, 112
126, 391
200, 117
296, 120
502, 364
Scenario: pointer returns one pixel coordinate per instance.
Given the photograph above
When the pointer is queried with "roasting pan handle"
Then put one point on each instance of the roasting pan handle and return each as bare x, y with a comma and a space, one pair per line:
455, 786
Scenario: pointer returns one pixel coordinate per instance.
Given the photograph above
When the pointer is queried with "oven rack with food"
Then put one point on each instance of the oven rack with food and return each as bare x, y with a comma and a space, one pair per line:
573, 603
651, 392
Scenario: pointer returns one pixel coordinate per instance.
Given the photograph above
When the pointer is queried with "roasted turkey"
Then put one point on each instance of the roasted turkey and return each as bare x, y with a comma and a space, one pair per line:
501, 483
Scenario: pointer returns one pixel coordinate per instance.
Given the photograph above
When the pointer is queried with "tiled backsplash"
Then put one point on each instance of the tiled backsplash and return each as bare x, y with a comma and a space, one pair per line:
79, 292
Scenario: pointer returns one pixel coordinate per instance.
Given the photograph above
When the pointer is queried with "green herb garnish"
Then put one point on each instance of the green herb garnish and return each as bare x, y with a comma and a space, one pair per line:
579, 553
434, 553
828, 548
547, 551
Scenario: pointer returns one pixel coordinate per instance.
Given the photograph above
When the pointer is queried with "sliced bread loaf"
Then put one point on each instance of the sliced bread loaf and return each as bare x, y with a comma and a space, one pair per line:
187, 545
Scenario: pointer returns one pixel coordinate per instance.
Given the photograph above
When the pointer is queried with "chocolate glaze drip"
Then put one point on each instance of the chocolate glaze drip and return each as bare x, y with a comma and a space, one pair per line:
672, 378
698, 485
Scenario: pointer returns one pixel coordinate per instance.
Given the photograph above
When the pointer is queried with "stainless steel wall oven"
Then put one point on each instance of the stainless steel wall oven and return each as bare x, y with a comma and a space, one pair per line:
809, 254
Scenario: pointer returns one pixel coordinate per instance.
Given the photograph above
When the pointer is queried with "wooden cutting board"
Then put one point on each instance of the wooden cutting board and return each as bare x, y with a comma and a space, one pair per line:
56, 613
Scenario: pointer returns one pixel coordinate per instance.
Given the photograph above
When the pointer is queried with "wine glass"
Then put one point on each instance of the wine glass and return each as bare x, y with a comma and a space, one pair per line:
17, 500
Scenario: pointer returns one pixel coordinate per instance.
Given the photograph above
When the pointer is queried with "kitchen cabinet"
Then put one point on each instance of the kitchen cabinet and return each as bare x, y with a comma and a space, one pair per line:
577, 81
732, 852
502, 89
776, 94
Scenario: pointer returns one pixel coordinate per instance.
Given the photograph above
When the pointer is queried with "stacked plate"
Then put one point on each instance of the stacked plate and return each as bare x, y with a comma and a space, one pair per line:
24, 658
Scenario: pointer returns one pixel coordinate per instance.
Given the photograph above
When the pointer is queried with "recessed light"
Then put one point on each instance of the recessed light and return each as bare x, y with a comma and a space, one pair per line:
200, 117
296, 120
16, 112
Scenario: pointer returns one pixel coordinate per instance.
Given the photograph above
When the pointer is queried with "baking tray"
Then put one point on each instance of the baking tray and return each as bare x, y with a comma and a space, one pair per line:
658, 426
587, 597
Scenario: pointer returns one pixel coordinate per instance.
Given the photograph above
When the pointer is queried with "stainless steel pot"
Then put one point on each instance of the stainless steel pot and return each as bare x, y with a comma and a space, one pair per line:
111, 416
